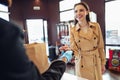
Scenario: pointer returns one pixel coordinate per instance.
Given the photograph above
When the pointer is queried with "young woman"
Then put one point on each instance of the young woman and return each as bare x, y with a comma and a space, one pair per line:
87, 43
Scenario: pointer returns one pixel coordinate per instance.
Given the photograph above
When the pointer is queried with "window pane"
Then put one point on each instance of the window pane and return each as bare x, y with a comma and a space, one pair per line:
35, 30
67, 4
112, 19
67, 15
4, 12
113, 22
4, 15
46, 36
3, 8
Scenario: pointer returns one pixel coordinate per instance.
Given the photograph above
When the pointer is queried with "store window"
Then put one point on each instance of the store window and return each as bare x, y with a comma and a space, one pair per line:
112, 19
66, 9
37, 31
4, 12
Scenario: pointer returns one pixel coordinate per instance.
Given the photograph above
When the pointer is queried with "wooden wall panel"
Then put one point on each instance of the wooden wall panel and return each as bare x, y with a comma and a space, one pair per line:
23, 9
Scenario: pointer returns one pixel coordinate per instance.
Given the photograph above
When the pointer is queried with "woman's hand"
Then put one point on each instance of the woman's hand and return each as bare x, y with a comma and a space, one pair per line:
103, 69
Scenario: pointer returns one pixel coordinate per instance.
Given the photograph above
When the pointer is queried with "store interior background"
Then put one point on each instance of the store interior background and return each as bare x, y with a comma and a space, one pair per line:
48, 14
49, 10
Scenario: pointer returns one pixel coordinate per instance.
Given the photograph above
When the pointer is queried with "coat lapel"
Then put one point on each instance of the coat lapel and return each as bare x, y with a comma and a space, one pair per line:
89, 33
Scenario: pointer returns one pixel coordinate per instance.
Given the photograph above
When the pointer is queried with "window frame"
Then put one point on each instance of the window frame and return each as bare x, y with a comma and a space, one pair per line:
113, 33
66, 10
4, 13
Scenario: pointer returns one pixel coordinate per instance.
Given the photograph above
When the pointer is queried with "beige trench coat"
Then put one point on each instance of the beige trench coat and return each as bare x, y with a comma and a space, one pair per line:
88, 50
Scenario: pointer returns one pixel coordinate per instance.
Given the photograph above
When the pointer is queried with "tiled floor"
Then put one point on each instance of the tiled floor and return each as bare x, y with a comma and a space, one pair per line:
108, 75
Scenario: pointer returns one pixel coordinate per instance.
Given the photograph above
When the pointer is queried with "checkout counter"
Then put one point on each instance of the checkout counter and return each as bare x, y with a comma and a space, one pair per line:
67, 76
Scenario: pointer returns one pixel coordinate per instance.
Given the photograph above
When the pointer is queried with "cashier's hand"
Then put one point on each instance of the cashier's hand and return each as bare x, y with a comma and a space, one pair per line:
64, 48
67, 55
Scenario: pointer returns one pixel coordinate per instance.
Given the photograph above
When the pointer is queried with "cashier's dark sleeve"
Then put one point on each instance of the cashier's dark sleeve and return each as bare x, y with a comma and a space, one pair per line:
14, 63
55, 71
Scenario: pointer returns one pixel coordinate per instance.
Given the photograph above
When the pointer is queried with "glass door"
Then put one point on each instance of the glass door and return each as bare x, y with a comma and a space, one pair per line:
37, 31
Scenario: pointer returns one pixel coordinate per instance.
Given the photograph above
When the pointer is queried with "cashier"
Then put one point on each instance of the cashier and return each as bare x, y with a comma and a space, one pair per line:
14, 63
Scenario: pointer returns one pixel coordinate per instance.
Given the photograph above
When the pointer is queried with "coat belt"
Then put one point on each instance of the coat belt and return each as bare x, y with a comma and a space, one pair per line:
89, 50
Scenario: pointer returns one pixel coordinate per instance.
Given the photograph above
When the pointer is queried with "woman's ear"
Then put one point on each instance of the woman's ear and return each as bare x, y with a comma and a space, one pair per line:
87, 12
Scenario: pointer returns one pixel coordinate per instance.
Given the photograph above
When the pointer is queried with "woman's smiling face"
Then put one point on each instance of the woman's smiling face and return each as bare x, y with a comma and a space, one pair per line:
80, 13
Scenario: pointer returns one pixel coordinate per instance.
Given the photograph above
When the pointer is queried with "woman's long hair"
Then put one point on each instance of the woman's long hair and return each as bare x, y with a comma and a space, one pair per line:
86, 7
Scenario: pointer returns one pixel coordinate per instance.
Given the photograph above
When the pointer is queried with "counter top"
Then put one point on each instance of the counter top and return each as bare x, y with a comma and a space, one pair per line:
67, 76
